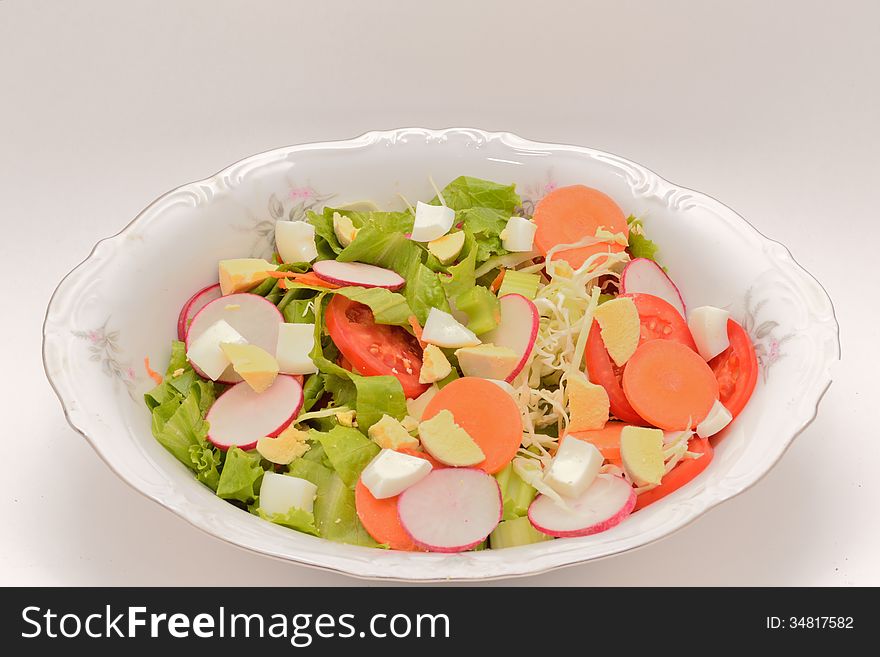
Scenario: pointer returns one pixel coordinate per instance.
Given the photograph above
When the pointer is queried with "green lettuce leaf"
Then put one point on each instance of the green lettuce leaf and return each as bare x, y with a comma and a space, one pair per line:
240, 477
388, 307
349, 451
640, 246
378, 396
206, 461
298, 519
424, 291
485, 224
466, 192
178, 426
335, 514
313, 390
298, 311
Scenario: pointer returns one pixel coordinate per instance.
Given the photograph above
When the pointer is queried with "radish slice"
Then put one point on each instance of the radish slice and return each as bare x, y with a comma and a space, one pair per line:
193, 305
451, 510
357, 273
646, 276
250, 314
241, 416
607, 501
517, 329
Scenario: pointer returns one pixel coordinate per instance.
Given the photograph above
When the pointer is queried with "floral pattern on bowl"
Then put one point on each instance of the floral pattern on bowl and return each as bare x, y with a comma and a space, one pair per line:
95, 330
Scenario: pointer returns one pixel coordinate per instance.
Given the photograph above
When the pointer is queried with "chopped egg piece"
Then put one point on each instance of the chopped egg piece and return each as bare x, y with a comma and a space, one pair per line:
347, 419
295, 241
487, 361
435, 365
519, 235
205, 352
390, 473
708, 325
447, 442
447, 248
443, 330
295, 343
641, 450
431, 222
416, 407
388, 433
279, 493
573, 468
588, 403
718, 418
287, 446
256, 366
343, 229
620, 328
241, 274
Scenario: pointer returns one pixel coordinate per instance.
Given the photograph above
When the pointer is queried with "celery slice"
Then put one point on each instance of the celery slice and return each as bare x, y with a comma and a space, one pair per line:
518, 531
516, 282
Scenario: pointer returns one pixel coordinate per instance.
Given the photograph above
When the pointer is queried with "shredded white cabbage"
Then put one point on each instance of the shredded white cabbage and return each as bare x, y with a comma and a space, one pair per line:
566, 301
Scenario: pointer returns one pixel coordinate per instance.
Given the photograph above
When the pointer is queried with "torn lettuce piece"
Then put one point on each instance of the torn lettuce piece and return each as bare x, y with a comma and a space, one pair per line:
240, 477
298, 519
348, 450
335, 513
466, 192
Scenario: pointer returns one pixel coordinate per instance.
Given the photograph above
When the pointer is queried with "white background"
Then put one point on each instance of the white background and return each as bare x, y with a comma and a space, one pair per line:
773, 108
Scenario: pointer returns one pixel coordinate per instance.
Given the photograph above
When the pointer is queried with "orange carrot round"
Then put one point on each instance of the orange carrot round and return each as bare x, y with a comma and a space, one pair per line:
606, 439
487, 413
669, 385
379, 517
569, 214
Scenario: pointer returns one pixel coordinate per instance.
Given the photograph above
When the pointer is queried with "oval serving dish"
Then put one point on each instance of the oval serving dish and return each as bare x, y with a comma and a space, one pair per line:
97, 332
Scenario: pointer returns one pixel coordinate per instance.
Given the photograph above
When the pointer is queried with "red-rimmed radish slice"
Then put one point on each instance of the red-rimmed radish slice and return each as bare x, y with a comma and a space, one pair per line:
358, 273
256, 319
517, 329
241, 416
451, 510
645, 276
193, 305
607, 501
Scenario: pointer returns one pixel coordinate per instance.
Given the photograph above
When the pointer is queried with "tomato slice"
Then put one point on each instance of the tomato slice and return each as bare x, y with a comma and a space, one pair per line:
374, 349
736, 369
660, 320
680, 474
602, 370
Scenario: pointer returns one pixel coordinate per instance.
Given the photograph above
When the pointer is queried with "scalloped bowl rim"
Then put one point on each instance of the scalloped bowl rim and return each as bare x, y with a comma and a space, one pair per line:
520, 568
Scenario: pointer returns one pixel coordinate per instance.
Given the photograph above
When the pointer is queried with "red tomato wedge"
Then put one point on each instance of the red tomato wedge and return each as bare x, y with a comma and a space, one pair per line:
374, 349
660, 320
736, 369
680, 474
602, 371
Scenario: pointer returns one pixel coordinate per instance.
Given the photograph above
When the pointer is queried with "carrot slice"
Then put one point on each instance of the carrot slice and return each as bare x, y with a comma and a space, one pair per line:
379, 517
569, 214
487, 413
497, 281
308, 278
669, 385
680, 474
606, 439
153, 374
417, 330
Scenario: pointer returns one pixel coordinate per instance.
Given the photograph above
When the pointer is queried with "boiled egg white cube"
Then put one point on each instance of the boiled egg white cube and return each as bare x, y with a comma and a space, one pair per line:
295, 343
718, 418
295, 241
708, 325
574, 467
431, 222
205, 351
279, 493
390, 473
416, 407
443, 330
519, 234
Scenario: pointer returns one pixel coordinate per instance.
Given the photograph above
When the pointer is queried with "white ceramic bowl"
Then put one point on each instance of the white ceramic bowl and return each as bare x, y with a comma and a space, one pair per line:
122, 303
